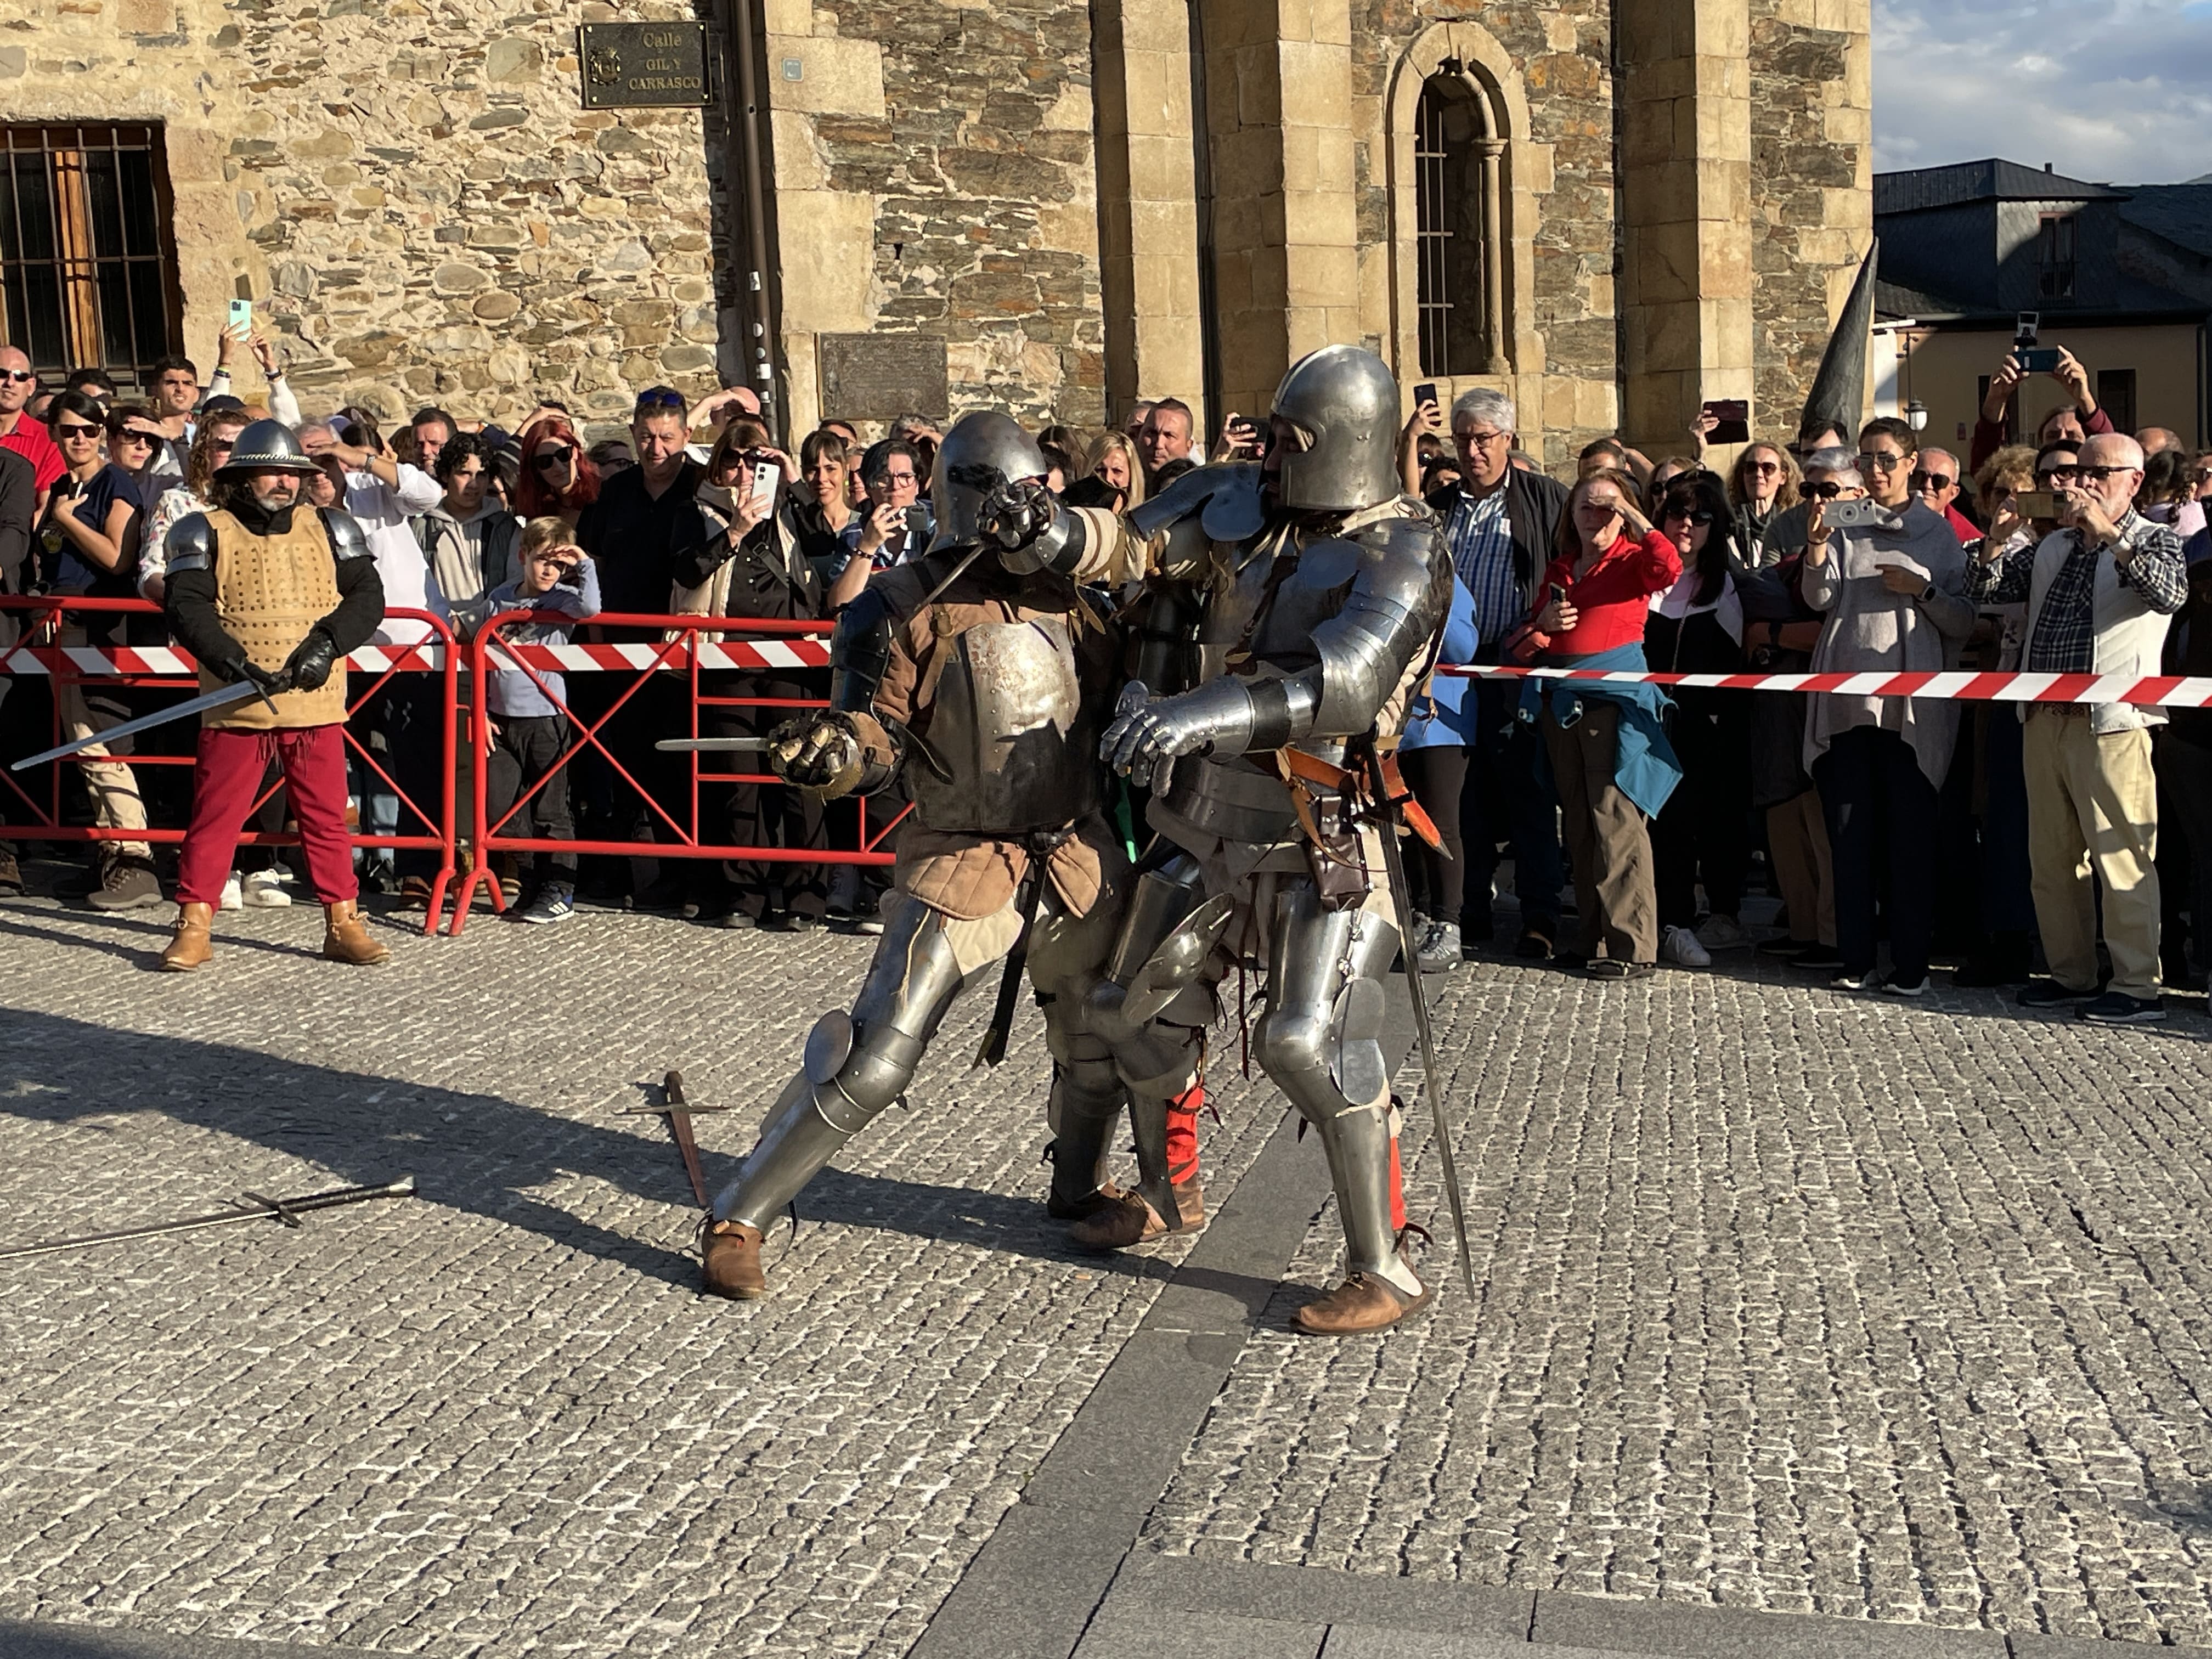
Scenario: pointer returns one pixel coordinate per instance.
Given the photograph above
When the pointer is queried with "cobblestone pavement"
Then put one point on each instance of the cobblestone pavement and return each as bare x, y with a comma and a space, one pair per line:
1790, 1302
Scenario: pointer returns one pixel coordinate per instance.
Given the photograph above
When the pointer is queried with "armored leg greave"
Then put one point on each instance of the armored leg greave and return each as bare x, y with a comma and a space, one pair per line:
855, 1065
1321, 1042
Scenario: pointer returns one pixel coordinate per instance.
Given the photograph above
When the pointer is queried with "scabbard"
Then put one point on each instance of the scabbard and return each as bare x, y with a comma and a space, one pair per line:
1028, 897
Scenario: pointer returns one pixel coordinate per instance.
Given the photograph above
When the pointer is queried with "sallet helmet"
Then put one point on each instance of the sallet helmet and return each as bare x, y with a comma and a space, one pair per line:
1343, 402
983, 451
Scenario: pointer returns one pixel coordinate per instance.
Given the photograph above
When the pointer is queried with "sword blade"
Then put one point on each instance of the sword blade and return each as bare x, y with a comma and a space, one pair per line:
713, 745
678, 1111
267, 1209
221, 697
1394, 868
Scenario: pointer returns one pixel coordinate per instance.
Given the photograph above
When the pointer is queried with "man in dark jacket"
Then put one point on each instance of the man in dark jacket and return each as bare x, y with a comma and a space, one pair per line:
1499, 521
19, 502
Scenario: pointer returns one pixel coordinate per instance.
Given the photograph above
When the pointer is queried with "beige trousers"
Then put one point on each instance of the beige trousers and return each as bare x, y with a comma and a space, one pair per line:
2093, 805
114, 787
1797, 841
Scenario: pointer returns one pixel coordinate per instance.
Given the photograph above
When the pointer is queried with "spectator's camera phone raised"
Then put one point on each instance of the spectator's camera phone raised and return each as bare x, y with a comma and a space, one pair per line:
1850, 515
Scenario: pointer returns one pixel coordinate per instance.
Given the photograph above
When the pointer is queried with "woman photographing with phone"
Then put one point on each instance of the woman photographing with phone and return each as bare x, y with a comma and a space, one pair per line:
1610, 757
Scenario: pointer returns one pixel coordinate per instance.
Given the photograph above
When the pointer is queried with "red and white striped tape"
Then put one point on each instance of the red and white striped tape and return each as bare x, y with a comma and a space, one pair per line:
2156, 691
84, 659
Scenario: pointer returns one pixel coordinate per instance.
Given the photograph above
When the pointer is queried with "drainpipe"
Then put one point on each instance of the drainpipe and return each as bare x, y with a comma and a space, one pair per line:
742, 169
1202, 139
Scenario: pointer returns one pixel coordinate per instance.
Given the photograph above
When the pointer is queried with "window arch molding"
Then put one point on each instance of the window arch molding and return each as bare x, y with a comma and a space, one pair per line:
1471, 60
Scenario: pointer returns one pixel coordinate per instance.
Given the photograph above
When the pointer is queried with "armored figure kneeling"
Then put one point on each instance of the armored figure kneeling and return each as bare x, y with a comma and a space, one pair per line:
264, 591
983, 676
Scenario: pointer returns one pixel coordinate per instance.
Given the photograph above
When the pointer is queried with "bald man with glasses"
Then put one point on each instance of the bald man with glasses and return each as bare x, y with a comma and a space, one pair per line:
2099, 589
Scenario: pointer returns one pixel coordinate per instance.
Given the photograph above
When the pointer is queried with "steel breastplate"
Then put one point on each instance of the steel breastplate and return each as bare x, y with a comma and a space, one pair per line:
1009, 721
1312, 593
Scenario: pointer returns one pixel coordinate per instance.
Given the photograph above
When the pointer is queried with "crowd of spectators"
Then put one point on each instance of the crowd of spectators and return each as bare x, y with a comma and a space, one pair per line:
1991, 835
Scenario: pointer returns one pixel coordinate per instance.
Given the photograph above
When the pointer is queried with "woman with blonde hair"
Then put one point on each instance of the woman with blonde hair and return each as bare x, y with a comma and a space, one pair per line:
1763, 482
1112, 462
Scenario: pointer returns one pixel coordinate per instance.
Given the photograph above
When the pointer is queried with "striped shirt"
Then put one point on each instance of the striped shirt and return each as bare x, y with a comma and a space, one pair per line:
1480, 537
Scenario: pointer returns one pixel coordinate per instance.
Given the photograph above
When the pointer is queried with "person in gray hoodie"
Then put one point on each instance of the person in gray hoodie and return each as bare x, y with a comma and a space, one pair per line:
1892, 592
469, 537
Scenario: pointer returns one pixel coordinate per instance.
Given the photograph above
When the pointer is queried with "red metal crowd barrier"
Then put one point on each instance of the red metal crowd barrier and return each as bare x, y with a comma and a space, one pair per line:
38, 651
747, 644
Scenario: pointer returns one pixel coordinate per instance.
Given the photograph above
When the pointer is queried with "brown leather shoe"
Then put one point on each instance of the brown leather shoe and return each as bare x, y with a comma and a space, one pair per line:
731, 1262
345, 937
191, 947
1130, 1220
1062, 1208
1363, 1302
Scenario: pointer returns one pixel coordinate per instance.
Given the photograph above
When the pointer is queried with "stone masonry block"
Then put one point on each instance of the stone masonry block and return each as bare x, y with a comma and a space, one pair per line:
836, 76
827, 239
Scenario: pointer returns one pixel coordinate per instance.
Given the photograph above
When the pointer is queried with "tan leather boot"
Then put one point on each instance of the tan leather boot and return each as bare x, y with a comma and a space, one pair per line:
1363, 1302
1129, 1220
345, 937
732, 1263
191, 947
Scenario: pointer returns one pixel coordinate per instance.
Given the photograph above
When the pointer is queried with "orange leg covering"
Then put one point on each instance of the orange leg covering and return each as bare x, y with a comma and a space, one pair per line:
1182, 1133
1397, 1191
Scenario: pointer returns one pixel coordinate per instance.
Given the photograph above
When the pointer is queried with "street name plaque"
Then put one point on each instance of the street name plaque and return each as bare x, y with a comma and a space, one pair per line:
644, 66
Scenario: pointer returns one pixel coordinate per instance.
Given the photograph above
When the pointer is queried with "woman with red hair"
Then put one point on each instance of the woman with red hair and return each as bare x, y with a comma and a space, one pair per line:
558, 479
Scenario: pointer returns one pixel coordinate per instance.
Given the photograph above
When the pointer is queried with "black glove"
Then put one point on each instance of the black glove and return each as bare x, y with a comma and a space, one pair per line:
236, 668
309, 664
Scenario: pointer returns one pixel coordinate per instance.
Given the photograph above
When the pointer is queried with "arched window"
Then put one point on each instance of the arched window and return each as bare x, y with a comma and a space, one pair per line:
1459, 292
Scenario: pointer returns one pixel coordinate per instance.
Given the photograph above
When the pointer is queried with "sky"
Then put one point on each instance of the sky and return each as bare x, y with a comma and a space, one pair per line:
2109, 91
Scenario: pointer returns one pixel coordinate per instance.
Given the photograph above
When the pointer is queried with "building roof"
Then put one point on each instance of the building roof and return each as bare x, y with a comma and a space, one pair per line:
1980, 181
1894, 300
2181, 214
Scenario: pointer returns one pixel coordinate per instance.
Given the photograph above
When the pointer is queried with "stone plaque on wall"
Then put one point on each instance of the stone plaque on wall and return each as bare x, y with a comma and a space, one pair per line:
880, 377
643, 65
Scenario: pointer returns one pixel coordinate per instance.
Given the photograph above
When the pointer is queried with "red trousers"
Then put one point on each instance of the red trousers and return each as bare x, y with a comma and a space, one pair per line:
225, 779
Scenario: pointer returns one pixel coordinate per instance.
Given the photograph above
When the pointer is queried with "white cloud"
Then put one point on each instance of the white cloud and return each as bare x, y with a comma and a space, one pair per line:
2117, 90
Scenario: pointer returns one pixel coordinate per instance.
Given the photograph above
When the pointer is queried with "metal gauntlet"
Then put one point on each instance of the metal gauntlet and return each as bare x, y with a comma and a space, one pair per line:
1146, 733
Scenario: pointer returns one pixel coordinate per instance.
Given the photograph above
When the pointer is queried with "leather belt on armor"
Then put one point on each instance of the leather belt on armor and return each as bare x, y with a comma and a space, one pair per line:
1295, 766
1041, 846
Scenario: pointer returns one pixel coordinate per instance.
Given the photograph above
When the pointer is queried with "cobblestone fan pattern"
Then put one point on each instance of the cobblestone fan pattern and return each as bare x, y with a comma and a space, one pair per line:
1792, 1301
497, 1419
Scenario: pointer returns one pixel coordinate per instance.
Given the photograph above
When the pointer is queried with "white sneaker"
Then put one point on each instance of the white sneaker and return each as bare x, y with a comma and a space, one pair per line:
1682, 948
231, 899
264, 890
1721, 932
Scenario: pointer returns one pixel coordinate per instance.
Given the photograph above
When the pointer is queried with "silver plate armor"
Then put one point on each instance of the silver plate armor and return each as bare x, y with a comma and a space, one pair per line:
1010, 724
1344, 402
189, 545
348, 539
984, 451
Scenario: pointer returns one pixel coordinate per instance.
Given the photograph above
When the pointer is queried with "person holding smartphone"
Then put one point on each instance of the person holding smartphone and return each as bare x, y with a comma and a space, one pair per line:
896, 530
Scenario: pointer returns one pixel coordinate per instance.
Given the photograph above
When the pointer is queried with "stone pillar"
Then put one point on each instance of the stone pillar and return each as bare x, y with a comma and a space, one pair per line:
1278, 81
1147, 205
1686, 277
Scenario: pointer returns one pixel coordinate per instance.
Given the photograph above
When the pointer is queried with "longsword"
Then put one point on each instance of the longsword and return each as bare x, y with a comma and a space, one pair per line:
222, 697
1394, 868
286, 1210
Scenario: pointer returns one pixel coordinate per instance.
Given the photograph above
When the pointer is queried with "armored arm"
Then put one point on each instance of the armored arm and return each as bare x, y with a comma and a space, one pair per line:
848, 748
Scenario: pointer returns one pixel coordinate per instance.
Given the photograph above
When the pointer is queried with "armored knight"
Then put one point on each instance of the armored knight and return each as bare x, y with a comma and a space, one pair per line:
264, 587
1295, 612
983, 673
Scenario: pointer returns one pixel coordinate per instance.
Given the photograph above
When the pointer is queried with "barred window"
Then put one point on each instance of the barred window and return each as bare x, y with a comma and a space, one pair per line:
87, 253
1456, 153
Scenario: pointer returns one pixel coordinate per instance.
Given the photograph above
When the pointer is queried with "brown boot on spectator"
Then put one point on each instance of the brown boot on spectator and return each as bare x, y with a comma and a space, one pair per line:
345, 937
191, 947
11, 873
731, 1262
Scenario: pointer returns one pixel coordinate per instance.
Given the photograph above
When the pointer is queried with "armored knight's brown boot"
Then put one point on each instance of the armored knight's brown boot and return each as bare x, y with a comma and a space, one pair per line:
1363, 1302
1061, 1207
1129, 1220
191, 947
731, 1264
345, 937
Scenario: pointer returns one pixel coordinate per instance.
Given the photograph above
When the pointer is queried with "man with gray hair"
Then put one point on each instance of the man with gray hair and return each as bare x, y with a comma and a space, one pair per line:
1499, 523
1936, 480
2099, 590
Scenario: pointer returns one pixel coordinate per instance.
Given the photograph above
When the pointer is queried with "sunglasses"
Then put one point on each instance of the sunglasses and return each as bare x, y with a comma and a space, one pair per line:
131, 434
1692, 514
18, 376
1824, 491
1881, 463
1931, 481
1762, 466
76, 430
2099, 474
2066, 472
552, 456
661, 397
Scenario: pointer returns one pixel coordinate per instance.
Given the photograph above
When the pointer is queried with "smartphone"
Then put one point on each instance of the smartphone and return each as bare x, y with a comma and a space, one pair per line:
2035, 503
766, 480
2033, 360
1424, 393
1849, 515
2029, 321
1733, 415
1558, 593
917, 520
241, 314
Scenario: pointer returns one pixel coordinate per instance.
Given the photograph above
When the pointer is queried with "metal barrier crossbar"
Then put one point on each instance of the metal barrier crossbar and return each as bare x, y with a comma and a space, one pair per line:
2155, 690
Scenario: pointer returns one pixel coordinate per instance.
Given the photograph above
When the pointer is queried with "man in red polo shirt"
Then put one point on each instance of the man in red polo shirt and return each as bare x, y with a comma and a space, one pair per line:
22, 435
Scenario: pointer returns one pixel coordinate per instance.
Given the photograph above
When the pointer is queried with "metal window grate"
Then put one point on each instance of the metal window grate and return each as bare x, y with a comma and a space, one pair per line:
1432, 234
87, 252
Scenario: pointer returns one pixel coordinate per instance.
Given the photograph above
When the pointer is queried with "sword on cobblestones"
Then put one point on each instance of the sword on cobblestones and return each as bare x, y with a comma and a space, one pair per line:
678, 1111
1393, 866
259, 1208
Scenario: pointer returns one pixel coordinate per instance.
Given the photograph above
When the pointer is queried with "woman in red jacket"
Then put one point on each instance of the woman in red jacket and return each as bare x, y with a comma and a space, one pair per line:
1609, 562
